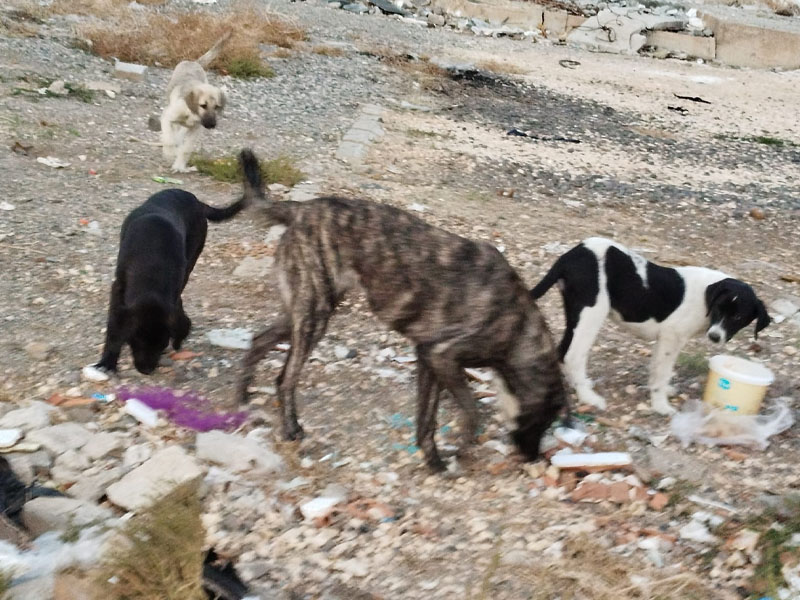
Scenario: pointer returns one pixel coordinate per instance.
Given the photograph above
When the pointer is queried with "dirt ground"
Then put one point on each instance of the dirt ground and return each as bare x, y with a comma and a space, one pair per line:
681, 188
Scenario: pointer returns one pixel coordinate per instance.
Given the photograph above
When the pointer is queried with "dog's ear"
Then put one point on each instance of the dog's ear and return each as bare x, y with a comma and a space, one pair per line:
192, 101
717, 293
763, 318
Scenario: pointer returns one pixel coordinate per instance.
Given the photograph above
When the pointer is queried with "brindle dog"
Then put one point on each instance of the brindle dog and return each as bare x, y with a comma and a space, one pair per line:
459, 301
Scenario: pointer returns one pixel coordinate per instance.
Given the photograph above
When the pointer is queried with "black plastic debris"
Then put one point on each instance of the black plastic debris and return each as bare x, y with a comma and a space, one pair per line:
679, 110
220, 580
542, 138
569, 64
692, 98
14, 494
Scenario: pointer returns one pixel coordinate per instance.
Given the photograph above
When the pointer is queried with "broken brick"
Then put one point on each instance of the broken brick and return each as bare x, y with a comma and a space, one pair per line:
619, 492
659, 501
590, 491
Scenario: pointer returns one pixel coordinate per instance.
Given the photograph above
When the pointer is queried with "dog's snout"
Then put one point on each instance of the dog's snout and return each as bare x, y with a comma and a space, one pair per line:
209, 121
714, 337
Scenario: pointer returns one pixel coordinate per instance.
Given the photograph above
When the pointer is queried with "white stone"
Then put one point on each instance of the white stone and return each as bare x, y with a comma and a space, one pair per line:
167, 470
48, 513
237, 453
92, 486
35, 416
57, 439
102, 444
695, 531
136, 455
9, 437
234, 339
319, 507
353, 567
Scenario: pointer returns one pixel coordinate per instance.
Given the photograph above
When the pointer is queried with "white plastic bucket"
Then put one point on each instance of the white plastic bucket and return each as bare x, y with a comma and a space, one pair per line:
736, 384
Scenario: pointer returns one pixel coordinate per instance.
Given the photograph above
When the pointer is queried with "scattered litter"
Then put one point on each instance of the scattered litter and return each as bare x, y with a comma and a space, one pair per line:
600, 461
129, 70
418, 207
6, 206
399, 421
92, 373
679, 109
169, 180
52, 161
185, 355
692, 98
22, 447
695, 531
571, 437
715, 427
712, 503
185, 409
104, 398
141, 412
542, 138
234, 339
9, 437
569, 64
319, 507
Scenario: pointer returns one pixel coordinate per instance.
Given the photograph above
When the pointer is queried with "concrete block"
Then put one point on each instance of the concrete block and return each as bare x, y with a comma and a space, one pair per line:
555, 23
50, 513
130, 71
520, 14
620, 31
761, 46
351, 152
695, 46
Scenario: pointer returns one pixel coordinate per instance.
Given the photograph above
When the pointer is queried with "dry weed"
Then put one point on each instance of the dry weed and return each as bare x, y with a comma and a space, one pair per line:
426, 74
496, 66
328, 50
588, 571
165, 39
95, 8
161, 554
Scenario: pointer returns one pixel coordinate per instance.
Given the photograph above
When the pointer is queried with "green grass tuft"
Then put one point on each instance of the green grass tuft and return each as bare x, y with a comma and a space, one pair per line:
5, 584
161, 553
777, 528
278, 170
692, 365
248, 67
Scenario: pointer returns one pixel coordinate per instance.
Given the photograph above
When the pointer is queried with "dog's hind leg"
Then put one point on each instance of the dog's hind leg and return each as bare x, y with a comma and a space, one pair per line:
589, 324
263, 342
427, 405
451, 376
308, 327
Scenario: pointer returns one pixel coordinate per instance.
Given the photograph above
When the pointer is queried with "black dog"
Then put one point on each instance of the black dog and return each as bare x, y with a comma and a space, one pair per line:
160, 242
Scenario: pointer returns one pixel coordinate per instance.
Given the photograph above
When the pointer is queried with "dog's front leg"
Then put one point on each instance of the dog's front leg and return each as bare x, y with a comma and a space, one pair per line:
168, 134
427, 405
181, 325
451, 376
115, 329
184, 150
262, 343
661, 368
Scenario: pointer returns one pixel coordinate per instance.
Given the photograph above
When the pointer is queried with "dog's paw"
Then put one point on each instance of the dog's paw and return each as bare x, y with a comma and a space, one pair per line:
662, 407
176, 168
589, 396
293, 432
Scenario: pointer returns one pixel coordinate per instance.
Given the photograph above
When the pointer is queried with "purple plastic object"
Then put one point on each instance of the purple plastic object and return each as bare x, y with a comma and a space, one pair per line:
186, 409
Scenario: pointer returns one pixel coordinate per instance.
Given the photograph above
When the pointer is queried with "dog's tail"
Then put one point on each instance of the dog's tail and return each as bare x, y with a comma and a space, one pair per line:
253, 189
550, 279
276, 212
214, 51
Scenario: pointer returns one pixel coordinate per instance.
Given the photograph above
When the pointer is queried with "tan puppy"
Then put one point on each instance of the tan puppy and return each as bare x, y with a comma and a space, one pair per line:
192, 102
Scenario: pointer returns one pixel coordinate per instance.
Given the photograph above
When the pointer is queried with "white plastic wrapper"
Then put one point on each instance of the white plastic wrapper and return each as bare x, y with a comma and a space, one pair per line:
715, 427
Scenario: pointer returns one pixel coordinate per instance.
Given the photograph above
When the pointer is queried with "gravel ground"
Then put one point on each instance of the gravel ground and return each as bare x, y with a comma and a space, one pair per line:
678, 187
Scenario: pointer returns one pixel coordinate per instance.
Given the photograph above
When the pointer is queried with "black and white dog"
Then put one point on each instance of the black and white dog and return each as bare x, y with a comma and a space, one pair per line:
669, 305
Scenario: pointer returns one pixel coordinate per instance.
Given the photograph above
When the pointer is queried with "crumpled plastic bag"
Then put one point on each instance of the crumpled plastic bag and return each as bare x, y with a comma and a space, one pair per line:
697, 422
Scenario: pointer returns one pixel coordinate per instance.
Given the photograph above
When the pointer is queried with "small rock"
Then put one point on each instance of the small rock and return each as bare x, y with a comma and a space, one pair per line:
695, 531
38, 350
659, 501
58, 87
136, 455
746, 540
235, 339
57, 439
92, 486
9, 437
757, 213
254, 268
319, 507
355, 7
34, 416
167, 470
435, 20
51, 513
237, 453
102, 444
